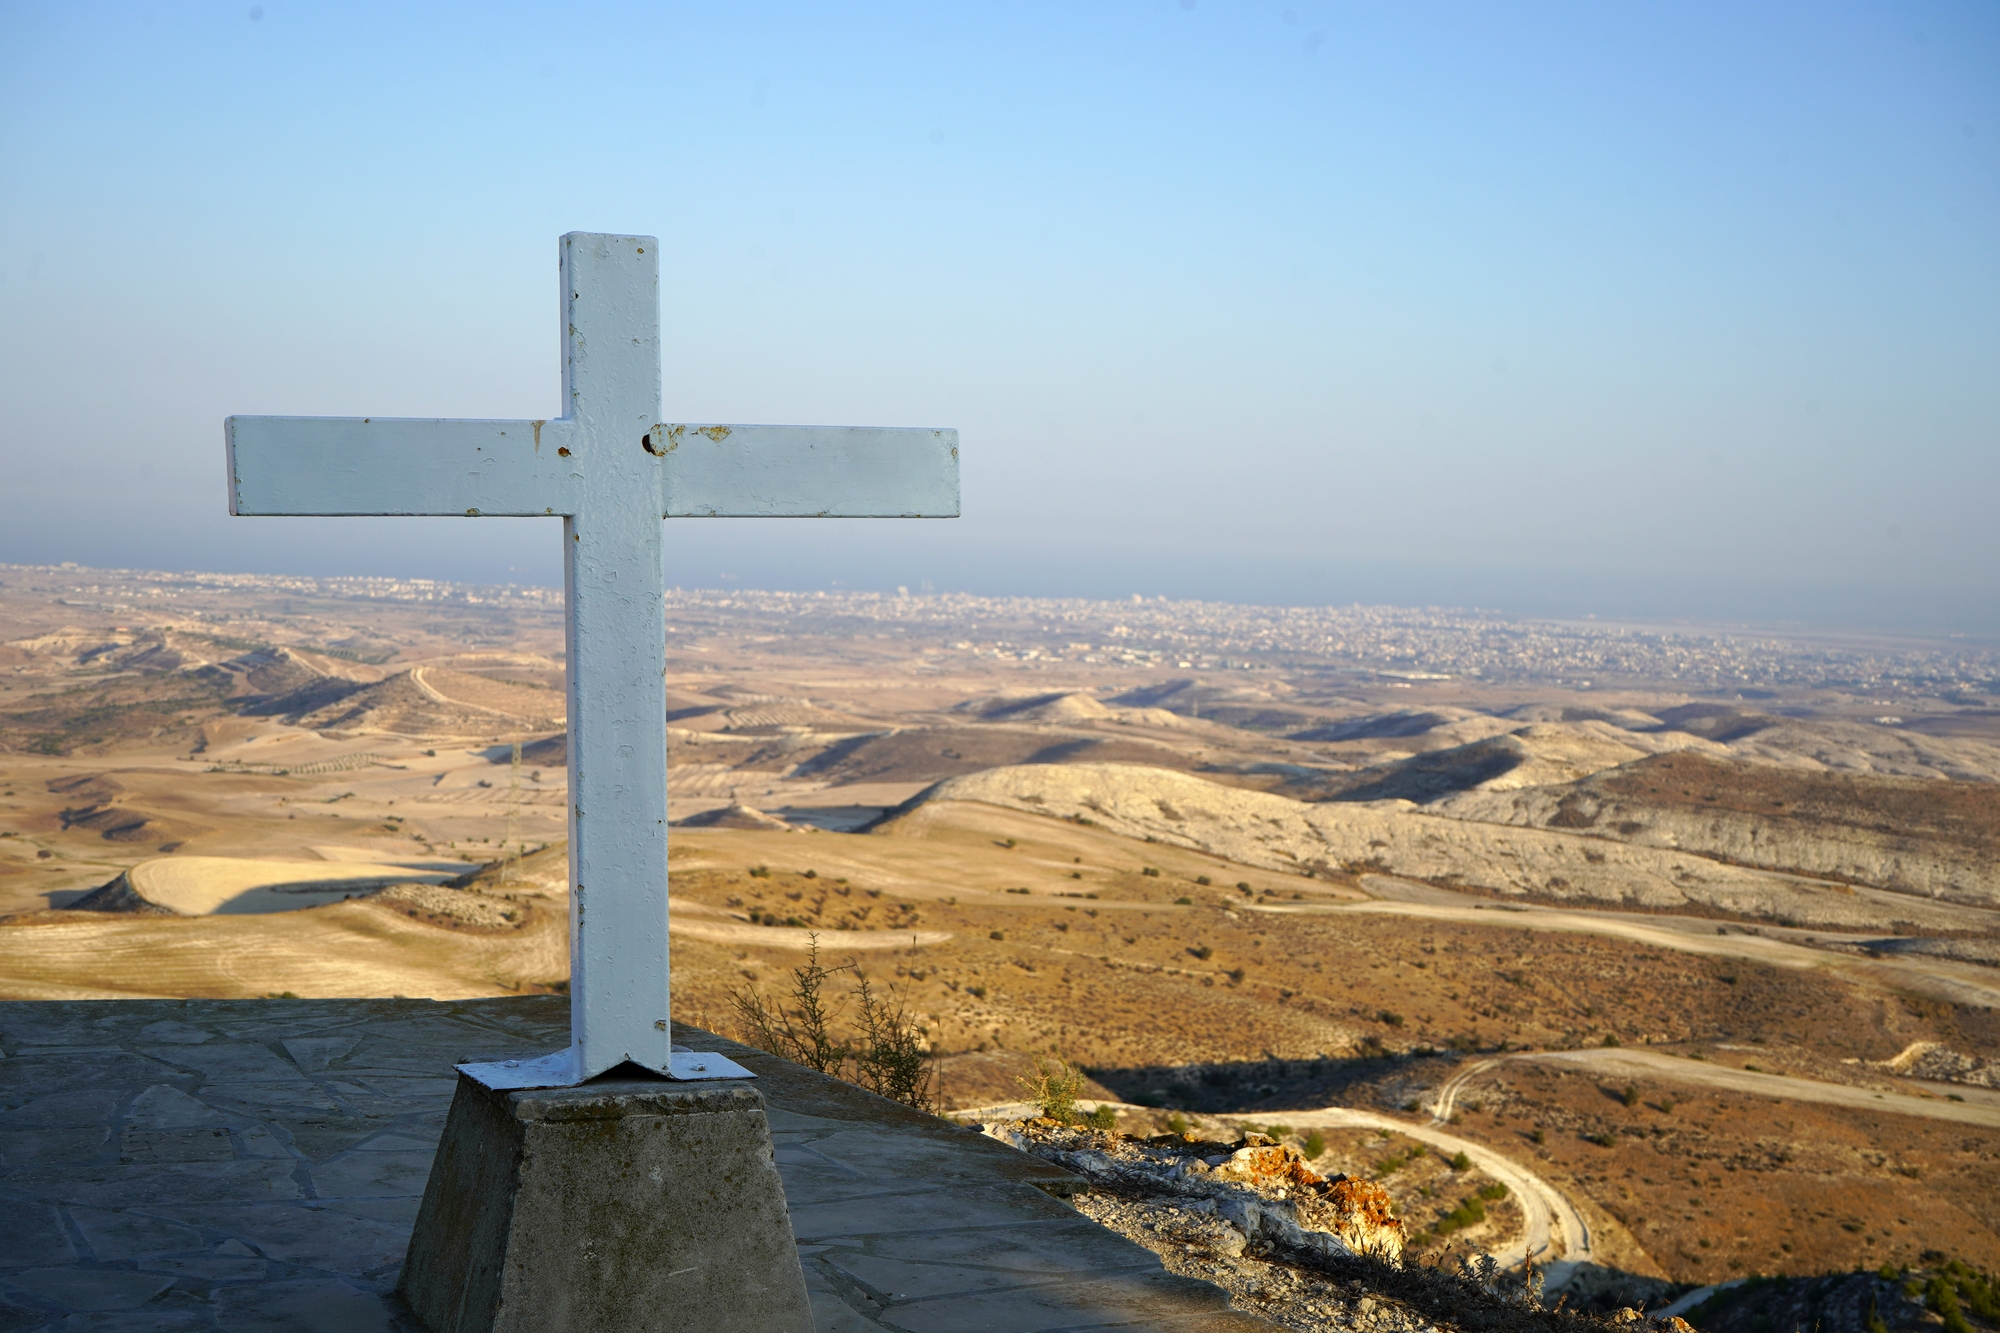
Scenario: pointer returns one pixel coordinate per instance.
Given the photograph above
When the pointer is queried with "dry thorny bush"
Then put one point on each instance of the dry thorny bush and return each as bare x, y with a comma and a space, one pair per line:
888, 1056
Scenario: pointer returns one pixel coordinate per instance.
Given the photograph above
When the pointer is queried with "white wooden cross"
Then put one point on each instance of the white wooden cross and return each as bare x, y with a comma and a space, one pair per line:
611, 469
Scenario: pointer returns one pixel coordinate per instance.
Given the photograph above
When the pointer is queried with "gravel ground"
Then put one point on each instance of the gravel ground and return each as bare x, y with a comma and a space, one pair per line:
1204, 1246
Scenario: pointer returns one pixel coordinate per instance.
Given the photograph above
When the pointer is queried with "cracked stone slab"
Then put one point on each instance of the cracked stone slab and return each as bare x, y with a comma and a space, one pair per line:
123, 1235
89, 1289
908, 1224
323, 1238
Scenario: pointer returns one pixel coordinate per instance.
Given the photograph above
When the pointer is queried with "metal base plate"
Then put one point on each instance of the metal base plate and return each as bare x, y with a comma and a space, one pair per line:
698, 1065
559, 1070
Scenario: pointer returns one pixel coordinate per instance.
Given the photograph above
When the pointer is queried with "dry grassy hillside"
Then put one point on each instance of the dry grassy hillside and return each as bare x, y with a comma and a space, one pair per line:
1261, 861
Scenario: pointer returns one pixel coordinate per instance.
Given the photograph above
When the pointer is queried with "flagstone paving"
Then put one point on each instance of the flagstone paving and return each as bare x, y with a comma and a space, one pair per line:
176, 1165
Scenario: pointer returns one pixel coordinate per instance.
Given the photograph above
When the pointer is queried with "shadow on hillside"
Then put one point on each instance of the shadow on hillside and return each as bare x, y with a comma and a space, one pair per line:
1382, 1082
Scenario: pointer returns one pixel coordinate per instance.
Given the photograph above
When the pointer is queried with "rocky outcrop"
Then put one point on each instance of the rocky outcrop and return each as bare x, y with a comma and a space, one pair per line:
1940, 1064
118, 895
1262, 1189
1395, 837
1919, 836
738, 816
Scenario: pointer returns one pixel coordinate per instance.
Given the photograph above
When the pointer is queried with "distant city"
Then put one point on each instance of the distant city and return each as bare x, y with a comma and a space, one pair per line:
1394, 643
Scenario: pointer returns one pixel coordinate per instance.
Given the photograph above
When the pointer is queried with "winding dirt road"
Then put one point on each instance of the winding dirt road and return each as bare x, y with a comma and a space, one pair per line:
1779, 946
1552, 1223
1977, 1107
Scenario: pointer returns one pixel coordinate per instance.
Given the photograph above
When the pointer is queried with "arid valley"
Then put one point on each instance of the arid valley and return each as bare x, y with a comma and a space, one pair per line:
1692, 935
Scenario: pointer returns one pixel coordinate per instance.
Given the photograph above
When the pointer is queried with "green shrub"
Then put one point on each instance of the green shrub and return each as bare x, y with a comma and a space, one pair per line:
1941, 1296
1053, 1088
1469, 1212
1201, 880
1105, 1118
1460, 1162
1151, 872
1315, 1145
1243, 884
1177, 1123
1976, 1291
1184, 902
1494, 1191
1202, 951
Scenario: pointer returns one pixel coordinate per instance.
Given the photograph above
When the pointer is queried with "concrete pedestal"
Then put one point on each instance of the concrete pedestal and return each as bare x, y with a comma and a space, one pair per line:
621, 1204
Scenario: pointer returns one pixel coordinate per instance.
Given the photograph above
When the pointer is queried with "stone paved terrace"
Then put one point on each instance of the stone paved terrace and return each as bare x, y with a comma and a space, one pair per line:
256, 1165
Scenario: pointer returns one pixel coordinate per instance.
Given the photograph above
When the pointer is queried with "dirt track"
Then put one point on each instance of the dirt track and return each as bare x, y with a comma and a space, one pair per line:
1550, 1217
1941, 979
1977, 1108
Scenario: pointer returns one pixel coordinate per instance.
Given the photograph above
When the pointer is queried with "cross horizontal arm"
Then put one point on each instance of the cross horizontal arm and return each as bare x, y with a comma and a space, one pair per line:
810, 472
389, 465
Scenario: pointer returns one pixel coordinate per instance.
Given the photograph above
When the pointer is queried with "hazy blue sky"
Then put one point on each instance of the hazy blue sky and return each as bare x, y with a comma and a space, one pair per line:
1628, 308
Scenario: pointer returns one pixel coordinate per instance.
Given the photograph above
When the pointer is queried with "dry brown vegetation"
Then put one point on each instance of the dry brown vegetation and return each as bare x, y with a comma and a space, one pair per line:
305, 728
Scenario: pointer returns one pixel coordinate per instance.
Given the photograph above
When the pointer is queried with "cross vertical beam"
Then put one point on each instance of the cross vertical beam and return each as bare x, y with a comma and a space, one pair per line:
615, 642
